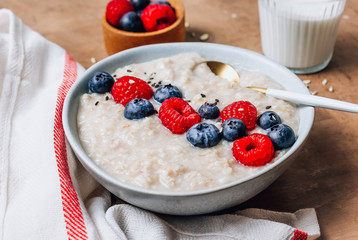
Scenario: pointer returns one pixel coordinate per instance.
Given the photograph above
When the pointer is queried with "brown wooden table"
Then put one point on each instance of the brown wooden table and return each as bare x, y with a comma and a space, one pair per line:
325, 176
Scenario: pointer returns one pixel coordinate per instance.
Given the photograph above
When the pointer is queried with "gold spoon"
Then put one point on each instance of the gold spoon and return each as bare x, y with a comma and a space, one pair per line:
228, 72
223, 70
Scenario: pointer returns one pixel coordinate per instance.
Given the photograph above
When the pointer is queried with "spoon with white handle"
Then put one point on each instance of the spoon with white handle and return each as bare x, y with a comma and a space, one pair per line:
228, 72
310, 100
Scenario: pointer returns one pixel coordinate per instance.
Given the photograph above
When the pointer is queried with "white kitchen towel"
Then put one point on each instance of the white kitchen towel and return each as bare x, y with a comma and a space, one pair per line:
46, 194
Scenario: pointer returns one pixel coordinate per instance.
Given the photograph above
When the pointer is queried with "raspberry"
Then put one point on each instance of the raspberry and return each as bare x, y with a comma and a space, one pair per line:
128, 88
254, 150
177, 115
157, 16
242, 110
116, 9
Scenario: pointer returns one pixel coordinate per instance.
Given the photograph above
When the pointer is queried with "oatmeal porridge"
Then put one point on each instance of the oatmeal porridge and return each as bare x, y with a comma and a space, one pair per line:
145, 153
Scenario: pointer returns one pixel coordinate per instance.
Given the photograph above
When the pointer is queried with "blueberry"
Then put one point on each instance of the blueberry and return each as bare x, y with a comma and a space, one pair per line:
209, 111
101, 82
165, 92
138, 108
233, 129
139, 4
139, 13
203, 135
160, 2
131, 22
268, 119
282, 136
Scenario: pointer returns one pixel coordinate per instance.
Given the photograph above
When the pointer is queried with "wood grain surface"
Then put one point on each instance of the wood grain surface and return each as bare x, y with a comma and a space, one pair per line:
325, 176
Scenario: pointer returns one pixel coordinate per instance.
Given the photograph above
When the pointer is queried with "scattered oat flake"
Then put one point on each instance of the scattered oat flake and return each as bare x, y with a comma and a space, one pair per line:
93, 60
324, 82
234, 15
314, 92
204, 37
187, 24
202, 155
330, 89
306, 82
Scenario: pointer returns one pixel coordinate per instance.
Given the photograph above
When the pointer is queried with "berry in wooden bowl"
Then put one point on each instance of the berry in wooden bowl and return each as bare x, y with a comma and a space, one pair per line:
127, 24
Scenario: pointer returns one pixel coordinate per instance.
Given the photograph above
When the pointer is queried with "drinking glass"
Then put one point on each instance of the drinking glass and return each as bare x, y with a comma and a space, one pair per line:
300, 34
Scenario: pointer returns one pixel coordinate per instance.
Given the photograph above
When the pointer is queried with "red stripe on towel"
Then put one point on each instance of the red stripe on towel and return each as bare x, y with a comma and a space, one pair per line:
75, 224
299, 235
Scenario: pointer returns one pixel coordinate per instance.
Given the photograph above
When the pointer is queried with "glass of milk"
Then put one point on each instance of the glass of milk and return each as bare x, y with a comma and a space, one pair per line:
300, 34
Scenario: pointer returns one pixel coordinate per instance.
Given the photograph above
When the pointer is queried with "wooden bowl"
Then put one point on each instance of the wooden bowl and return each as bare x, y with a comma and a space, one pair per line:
116, 40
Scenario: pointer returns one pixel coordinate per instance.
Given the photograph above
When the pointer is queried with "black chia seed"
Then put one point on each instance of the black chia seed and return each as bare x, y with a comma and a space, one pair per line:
202, 95
96, 103
268, 107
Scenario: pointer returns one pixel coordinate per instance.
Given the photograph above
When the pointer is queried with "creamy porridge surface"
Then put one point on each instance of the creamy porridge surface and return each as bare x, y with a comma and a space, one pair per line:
146, 154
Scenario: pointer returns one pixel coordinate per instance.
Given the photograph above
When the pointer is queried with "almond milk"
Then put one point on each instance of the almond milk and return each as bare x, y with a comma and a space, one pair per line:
300, 34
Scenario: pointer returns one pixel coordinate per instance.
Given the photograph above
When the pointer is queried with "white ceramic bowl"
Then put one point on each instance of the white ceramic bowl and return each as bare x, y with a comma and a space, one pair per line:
195, 202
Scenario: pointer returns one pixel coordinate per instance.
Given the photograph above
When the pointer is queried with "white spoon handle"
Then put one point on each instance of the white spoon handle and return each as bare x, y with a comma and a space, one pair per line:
311, 100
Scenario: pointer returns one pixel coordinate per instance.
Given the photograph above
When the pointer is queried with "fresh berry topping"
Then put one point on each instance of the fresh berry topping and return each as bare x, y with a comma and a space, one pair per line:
157, 16
165, 92
139, 13
140, 4
177, 115
282, 136
101, 82
128, 88
203, 135
242, 110
254, 150
161, 2
116, 9
209, 111
131, 22
233, 129
268, 119
138, 108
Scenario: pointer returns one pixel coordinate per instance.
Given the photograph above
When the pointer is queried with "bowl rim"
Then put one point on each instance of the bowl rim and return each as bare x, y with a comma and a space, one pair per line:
178, 6
88, 163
